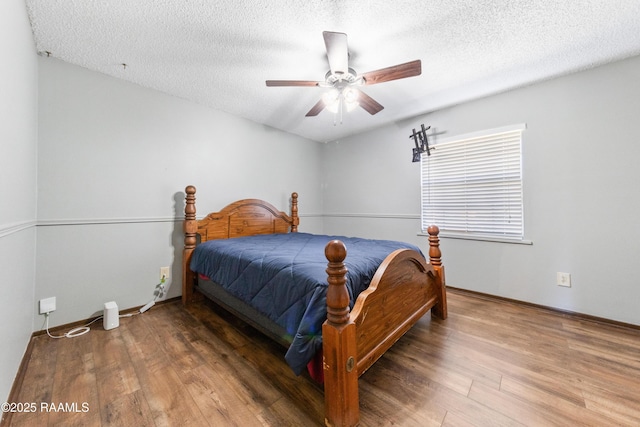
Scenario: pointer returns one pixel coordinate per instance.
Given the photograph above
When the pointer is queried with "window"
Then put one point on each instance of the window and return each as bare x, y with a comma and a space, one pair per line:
472, 185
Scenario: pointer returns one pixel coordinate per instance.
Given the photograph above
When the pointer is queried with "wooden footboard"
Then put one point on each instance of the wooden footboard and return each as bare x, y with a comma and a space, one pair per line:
403, 289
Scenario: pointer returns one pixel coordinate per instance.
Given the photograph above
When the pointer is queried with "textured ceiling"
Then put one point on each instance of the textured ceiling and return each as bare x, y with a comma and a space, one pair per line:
219, 53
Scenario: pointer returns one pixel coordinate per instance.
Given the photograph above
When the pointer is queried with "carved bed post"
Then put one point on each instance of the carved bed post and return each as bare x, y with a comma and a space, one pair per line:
294, 212
190, 231
339, 345
435, 258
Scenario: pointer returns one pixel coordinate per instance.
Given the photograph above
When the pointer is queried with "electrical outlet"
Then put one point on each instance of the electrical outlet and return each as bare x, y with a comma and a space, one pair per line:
47, 305
164, 273
563, 279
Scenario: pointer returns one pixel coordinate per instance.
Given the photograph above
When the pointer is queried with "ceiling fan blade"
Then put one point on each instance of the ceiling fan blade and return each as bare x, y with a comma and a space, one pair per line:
368, 103
272, 83
401, 71
337, 52
316, 109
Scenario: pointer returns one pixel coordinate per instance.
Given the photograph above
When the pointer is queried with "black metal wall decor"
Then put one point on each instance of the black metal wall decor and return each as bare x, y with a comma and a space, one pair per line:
422, 143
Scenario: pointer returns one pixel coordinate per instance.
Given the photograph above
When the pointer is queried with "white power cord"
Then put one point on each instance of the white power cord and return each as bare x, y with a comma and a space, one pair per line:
160, 291
81, 330
75, 332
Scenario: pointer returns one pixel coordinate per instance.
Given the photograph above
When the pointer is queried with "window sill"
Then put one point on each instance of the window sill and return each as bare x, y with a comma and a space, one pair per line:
480, 238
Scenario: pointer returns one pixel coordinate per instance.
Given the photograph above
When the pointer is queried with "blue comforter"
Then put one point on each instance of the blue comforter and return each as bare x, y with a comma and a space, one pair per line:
283, 276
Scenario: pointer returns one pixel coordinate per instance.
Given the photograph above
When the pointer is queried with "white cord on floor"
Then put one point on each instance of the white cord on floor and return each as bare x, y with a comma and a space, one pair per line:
81, 330
76, 332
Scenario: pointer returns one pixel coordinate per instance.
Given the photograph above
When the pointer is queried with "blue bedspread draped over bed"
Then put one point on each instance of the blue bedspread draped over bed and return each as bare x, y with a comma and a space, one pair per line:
284, 277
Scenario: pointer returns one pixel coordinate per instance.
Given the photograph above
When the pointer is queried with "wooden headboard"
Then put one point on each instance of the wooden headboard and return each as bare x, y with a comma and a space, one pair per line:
246, 217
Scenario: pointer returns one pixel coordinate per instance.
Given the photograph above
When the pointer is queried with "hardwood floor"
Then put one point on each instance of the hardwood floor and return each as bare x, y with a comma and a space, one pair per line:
491, 363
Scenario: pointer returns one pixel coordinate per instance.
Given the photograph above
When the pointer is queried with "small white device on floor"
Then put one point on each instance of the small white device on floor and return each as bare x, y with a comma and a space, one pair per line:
111, 315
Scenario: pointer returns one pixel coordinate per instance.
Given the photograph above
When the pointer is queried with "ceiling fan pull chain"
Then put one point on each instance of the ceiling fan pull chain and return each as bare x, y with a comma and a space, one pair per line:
340, 109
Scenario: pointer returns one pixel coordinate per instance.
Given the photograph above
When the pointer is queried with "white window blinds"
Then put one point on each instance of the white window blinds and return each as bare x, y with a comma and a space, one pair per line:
472, 185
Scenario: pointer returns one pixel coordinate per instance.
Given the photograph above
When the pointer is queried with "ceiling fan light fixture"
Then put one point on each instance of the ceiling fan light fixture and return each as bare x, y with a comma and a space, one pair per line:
331, 99
350, 97
335, 99
350, 106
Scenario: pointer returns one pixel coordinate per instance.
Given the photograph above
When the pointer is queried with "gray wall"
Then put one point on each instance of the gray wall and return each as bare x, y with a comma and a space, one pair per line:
580, 165
18, 150
113, 161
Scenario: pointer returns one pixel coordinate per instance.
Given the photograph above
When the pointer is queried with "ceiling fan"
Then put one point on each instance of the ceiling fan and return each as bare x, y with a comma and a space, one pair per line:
343, 81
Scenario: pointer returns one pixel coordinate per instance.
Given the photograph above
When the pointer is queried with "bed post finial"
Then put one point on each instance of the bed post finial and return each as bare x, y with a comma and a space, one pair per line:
337, 294
295, 220
435, 255
190, 217
190, 231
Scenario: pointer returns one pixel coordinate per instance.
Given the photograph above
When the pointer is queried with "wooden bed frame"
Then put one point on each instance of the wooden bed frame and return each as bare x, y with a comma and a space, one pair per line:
402, 290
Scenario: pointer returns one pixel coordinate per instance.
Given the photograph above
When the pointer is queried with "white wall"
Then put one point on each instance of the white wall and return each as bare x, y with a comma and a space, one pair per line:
580, 164
114, 159
18, 145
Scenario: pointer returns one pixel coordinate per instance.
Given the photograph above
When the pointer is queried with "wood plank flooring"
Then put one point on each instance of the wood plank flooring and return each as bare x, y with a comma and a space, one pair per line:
491, 363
